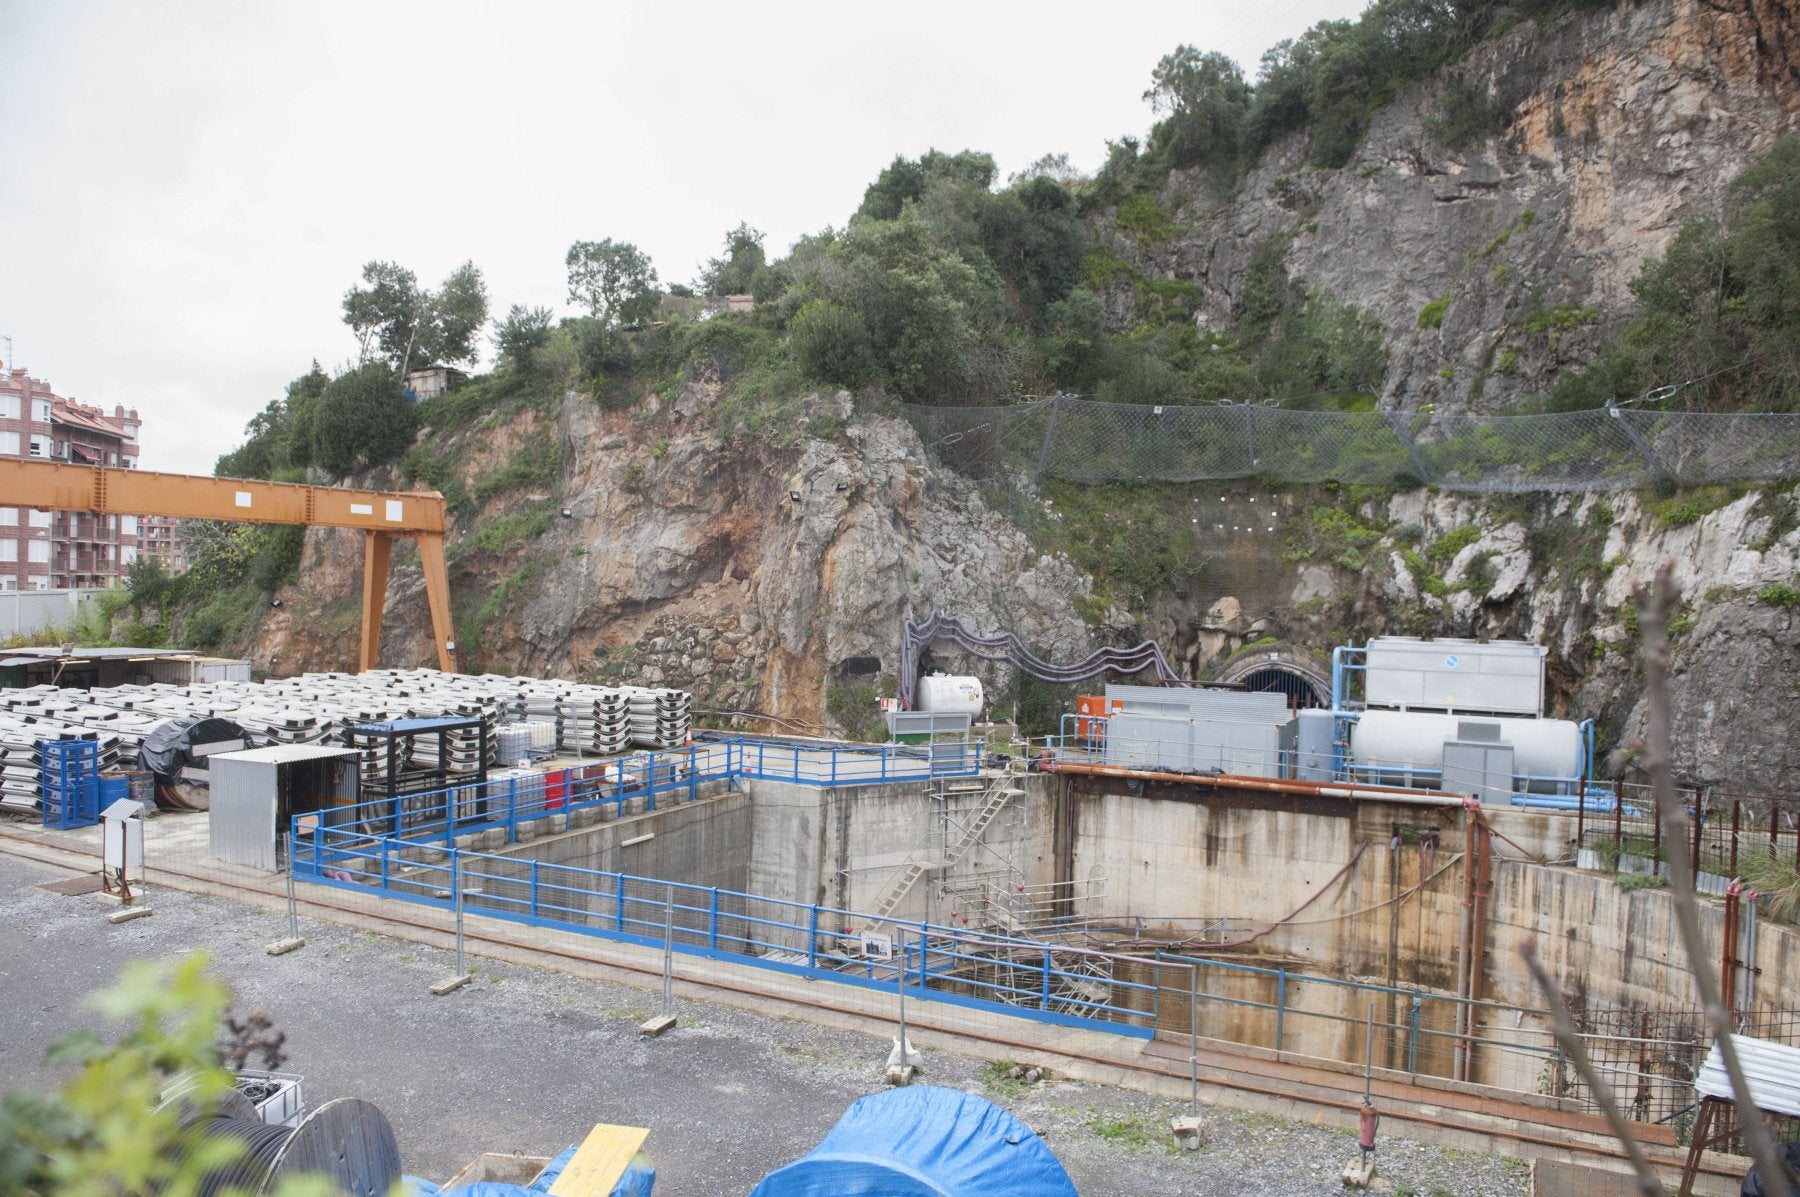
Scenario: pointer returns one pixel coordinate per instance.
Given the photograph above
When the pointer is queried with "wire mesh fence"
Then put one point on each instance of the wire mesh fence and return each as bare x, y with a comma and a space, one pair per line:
1082, 440
1728, 833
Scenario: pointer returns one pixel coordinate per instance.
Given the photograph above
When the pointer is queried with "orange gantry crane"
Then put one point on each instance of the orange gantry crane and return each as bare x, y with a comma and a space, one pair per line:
382, 515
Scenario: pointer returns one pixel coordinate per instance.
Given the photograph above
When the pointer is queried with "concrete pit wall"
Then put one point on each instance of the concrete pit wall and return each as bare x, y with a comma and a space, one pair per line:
704, 843
1169, 864
843, 848
1216, 868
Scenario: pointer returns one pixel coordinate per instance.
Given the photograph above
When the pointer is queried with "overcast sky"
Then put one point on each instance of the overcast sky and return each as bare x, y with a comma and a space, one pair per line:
187, 189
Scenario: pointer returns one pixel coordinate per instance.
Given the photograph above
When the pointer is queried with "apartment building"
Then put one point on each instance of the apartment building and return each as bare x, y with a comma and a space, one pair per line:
54, 550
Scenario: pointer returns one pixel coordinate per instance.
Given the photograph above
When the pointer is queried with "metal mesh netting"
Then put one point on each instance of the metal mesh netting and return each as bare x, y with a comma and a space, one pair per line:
1083, 440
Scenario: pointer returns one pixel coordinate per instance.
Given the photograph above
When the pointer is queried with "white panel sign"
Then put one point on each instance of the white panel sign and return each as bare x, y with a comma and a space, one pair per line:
362, 509
393, 511
243, 498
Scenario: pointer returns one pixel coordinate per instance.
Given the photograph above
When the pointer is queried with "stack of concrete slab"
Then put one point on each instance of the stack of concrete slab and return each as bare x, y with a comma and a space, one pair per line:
659, 718
316, 707
594, 720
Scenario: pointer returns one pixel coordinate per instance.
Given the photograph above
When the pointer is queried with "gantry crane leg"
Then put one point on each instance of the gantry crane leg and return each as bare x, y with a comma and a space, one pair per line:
378, 547
437, 595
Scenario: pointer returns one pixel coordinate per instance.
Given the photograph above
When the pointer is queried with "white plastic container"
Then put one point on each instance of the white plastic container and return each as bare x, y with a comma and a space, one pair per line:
949, 694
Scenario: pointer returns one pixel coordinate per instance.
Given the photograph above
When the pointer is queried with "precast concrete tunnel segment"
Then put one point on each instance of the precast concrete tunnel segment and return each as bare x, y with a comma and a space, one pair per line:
382, 516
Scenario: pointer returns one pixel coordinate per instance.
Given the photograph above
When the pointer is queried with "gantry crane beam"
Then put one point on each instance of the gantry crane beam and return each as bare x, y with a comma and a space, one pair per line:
381, 515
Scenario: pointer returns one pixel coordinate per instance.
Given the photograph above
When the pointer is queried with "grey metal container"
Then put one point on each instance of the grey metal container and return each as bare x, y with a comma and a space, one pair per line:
1503, 677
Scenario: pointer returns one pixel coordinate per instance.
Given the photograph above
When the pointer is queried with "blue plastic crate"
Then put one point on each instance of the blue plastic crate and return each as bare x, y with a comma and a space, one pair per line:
70, 796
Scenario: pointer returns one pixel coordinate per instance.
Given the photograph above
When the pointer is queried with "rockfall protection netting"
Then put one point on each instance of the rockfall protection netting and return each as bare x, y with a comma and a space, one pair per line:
1082, 440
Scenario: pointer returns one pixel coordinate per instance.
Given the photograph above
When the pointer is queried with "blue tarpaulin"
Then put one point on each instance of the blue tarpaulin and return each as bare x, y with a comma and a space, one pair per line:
923, 1141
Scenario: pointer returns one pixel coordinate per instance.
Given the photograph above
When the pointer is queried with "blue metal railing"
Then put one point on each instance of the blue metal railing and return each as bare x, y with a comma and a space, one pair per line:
504, 803
1064, 985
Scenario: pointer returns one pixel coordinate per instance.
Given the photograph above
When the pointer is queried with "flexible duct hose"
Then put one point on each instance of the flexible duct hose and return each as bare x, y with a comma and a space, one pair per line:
1008, 648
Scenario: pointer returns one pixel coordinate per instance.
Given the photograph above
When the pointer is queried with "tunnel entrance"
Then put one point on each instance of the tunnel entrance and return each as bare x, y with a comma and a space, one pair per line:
1290, 672
1301, 692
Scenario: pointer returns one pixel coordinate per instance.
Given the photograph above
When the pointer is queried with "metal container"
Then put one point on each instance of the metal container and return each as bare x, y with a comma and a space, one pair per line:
1401, 741
1503, 677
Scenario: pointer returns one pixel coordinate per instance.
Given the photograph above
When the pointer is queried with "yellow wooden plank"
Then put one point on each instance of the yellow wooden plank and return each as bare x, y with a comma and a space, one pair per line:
600, 1161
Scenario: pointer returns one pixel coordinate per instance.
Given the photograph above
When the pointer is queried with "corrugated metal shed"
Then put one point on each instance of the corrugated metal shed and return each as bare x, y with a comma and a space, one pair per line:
1238, 706
1771, 1069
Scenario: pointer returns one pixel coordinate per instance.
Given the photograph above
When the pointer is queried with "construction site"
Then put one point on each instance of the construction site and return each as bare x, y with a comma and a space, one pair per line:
1297, 898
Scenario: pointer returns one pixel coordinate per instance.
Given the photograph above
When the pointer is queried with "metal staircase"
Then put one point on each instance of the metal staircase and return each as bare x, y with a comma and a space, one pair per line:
996, 792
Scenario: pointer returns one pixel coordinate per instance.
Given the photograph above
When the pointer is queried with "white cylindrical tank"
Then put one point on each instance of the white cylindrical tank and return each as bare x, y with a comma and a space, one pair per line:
947, 694
1415, 740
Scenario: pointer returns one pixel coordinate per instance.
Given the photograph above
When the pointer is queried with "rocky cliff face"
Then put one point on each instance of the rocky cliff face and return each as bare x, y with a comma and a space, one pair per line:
758, 578
764, 579
1617, 127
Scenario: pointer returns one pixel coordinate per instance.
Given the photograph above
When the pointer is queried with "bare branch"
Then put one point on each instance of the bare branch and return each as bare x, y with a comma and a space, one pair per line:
1654, 606
1569, 1040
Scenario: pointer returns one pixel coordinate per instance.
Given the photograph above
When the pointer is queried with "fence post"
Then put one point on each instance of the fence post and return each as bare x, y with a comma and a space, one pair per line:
1049, 435
1280, 1007
1412, 1036
1736, 805
1699, 819
449, 820
512, 810
533, 909
1618, 825
619, 913
456, 896
712, 925
293, 916
1044, 997
812, 937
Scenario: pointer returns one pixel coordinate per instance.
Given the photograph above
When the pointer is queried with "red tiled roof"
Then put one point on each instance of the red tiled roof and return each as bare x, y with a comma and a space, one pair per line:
79, 416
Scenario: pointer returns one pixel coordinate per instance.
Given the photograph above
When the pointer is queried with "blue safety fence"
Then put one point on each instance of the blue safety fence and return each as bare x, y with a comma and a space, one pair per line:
1054, 983
506, 802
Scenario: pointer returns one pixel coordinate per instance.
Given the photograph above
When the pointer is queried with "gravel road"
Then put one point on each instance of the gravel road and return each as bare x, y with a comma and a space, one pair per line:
527, 1059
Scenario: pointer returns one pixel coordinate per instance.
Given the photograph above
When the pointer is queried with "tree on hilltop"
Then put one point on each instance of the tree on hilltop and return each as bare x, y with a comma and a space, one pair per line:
614, 279
407, 324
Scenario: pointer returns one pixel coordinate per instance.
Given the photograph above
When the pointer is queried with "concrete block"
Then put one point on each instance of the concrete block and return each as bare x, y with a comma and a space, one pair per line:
451, 984
129, 913
899, 1074
1358, 1175
528, 830
282, 947
1186, 1128
493, 839
656, 1026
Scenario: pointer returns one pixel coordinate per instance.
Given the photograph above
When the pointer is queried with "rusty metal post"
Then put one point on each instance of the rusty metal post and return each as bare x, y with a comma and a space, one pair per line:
1736, 808
1699, 822
1618, 826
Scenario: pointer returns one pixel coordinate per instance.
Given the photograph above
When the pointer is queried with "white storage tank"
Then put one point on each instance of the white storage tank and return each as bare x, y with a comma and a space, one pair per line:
949, 694
1401, 740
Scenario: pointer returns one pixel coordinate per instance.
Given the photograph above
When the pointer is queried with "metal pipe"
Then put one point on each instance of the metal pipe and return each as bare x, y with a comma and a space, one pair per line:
1459, 1024
1193, 1039
293, 915
668, 977
1322, 789
1368, 1052
1478, 942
